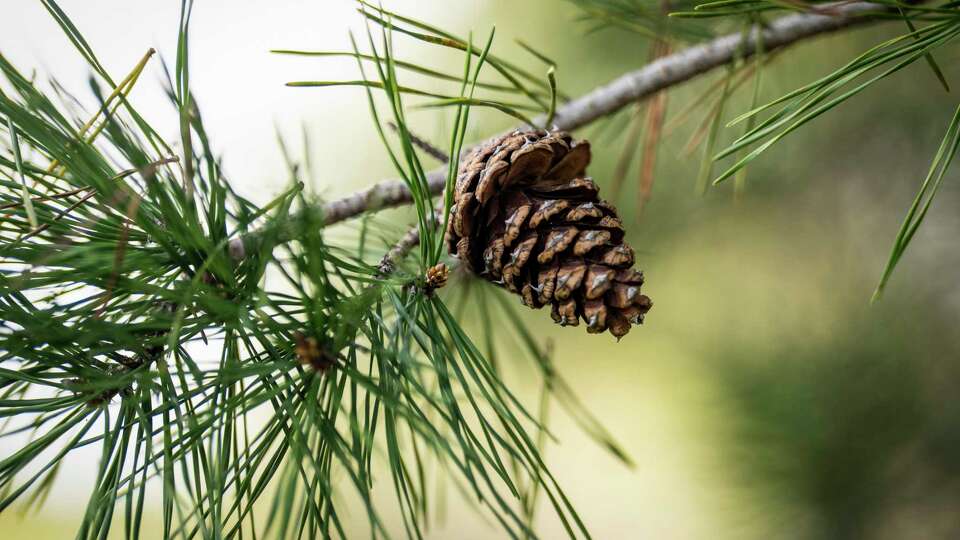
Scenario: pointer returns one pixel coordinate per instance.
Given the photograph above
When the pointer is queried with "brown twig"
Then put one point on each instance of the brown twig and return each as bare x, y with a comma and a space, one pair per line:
630, 146
43, 198
91, 191
656, 112
132, 207
424, 145
44, 226
666, 72
399, 251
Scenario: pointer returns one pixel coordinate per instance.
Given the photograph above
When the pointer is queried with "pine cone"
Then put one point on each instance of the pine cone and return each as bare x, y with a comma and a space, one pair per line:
526, 217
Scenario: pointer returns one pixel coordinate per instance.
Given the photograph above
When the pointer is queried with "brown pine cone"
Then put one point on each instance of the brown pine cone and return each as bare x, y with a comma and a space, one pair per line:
527, 217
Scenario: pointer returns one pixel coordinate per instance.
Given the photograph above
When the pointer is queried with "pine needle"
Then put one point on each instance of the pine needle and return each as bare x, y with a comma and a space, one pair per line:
921, 203
24, 194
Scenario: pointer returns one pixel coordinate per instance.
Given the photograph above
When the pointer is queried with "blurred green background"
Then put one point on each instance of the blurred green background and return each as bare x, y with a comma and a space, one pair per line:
764, 397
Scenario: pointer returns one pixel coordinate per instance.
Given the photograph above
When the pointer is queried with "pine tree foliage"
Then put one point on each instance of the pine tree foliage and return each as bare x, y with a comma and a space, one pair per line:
930, 26
131, 323
249, 376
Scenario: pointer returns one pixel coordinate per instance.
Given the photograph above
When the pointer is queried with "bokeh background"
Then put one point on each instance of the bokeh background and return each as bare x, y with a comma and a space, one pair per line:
764, 397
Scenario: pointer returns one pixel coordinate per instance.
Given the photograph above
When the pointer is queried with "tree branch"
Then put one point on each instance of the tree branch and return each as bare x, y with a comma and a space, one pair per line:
399, 251
688, 63
663, 73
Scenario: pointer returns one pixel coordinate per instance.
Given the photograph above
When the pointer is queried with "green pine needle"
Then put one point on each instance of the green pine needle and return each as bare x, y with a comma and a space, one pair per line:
921, 203
25, 195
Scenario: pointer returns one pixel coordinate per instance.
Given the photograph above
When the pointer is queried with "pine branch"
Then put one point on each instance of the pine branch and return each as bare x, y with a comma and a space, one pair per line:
684, 65
666, 72
399, 251
153, 281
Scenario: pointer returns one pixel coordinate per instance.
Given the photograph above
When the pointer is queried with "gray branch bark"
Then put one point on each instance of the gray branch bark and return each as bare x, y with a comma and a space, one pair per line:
663, 73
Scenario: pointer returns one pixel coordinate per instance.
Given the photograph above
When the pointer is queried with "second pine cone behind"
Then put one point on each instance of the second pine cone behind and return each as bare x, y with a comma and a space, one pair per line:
526, 217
